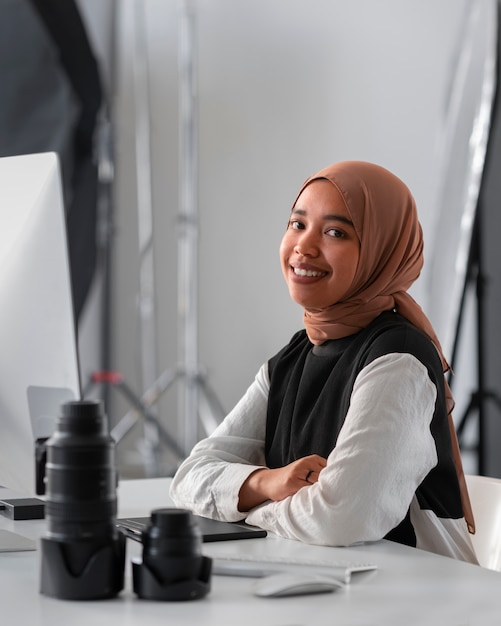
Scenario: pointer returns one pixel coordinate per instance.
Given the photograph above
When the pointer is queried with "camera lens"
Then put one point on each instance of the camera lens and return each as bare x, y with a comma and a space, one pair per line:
172, 567
172, 544
81, 497
83, 553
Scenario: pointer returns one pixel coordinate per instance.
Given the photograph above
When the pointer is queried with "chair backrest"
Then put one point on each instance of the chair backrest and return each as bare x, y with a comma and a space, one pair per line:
485, 496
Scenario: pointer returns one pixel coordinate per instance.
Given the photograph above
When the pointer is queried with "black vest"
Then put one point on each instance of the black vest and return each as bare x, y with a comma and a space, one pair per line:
310, 391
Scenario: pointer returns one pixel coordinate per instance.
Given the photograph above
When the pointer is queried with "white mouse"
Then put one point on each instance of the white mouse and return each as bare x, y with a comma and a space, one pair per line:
292, 584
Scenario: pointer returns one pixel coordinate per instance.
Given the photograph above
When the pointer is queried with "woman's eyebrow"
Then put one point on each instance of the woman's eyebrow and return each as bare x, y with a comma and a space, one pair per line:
328, 217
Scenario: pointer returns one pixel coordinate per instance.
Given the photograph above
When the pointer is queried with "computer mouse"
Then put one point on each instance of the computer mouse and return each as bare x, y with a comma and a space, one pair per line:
293, 584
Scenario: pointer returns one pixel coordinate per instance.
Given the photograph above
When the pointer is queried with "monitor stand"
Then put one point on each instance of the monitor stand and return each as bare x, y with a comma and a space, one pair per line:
12, 542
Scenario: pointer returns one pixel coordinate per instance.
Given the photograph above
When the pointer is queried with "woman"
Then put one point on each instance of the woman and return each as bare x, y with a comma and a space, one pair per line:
345, 436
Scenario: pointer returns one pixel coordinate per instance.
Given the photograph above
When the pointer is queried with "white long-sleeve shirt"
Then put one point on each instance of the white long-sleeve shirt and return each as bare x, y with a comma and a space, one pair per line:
383, 452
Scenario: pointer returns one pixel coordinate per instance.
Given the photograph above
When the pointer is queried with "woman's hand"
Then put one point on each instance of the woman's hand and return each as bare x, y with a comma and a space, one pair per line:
277, 484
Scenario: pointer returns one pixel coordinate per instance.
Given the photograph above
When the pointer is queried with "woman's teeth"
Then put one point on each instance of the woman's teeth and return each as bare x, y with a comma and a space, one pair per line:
309, 273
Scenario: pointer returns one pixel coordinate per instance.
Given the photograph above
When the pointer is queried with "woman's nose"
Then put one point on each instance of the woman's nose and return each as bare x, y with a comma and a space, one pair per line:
306, 244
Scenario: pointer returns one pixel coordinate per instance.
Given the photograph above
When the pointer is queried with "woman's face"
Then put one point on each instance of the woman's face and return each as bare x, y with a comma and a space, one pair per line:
320, 250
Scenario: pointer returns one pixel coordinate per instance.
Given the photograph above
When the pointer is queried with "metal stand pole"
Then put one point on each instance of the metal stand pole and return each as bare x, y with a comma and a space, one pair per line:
146, 303
188, 225
196, 400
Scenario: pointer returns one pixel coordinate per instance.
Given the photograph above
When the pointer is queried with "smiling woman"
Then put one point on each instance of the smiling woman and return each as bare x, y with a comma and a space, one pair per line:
320, 249
346, 434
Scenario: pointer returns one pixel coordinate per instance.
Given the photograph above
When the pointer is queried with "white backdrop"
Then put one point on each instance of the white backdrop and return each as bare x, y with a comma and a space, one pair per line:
285, 87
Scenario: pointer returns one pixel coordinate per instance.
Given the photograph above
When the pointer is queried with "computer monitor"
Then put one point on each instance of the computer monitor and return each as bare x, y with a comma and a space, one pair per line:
38, 351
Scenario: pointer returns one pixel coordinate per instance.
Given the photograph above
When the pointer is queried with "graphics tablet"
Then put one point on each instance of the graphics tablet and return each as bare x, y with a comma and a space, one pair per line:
212, 530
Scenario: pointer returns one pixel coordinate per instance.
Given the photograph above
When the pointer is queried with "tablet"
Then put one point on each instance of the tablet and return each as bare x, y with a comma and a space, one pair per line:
212, 530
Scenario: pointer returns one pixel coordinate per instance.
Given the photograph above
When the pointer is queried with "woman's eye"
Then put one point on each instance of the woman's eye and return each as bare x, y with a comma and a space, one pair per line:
334, 232
295, 224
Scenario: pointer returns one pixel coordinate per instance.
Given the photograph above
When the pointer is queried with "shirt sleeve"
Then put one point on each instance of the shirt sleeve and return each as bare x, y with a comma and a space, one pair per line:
209, 480
384, 451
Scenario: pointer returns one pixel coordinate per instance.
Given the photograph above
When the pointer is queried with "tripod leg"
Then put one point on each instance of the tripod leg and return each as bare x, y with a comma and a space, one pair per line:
151, 419
154, 431
495, 397
124, 426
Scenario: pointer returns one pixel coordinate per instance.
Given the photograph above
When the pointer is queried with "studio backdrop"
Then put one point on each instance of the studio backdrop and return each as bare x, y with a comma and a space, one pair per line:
51, 98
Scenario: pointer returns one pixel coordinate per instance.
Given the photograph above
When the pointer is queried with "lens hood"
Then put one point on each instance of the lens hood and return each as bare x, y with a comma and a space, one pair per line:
101, 578
82, 552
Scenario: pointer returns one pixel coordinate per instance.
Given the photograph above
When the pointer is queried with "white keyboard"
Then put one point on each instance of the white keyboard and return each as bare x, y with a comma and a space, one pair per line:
258, 566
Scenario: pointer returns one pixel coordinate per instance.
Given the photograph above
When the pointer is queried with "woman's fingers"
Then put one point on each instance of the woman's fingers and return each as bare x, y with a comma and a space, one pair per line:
312, 466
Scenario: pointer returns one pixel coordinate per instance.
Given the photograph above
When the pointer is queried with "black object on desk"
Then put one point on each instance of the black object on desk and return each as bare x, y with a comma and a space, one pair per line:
23, 508
173, 566
82, 551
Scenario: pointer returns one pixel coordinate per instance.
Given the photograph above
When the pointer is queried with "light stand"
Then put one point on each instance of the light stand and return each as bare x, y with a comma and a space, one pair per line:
196, 400
476, 275
478, 399
146, 298
195, 387
459, 267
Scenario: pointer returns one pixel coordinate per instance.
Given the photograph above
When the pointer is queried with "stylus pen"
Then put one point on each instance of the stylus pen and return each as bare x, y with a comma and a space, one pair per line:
258, 569
242, 568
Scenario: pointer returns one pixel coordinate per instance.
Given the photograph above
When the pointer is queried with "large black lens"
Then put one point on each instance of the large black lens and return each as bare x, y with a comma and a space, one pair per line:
81, 499
83, 553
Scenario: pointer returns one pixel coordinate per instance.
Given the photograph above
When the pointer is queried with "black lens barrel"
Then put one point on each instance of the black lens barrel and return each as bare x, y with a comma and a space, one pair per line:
172, 567
83, 554
81, 475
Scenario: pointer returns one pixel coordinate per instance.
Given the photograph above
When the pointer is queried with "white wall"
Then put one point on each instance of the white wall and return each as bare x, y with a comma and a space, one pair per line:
285, 87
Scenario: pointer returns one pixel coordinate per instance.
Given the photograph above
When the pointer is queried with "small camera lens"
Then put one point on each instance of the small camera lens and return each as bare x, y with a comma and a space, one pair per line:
172, 544
173, 567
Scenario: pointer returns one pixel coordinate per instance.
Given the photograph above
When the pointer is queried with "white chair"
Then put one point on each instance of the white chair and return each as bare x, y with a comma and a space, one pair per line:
485, 496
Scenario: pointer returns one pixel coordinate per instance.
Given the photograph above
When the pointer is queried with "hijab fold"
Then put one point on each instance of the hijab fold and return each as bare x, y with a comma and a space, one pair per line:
385, 219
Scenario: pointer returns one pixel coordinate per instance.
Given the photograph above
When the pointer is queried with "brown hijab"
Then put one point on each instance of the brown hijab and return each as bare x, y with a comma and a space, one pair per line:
385, 218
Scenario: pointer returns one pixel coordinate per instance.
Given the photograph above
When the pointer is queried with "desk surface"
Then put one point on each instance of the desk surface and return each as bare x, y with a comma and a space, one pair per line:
410, 586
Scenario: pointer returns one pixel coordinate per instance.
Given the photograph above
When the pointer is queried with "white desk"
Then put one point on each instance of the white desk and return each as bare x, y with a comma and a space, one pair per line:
411, 587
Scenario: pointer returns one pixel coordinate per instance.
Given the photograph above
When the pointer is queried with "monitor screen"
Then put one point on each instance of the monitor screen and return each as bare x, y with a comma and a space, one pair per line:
39, 361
